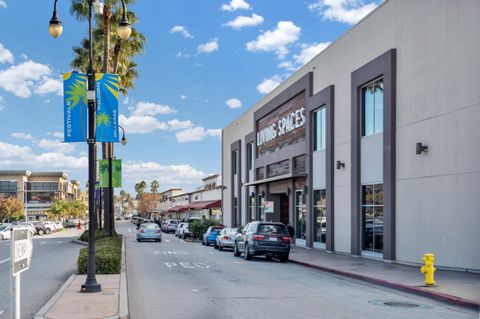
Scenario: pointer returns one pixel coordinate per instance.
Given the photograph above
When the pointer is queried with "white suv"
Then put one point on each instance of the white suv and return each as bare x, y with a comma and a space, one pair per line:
184, 230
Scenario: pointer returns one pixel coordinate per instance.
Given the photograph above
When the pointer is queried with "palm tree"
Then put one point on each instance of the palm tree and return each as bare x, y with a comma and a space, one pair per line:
154, 186
140, 188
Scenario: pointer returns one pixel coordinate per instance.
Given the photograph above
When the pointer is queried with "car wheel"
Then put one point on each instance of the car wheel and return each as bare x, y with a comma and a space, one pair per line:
220, 247
268, 257
236, 253
215, 245
284, 258
138, 239
40, 232
248, 256
207, 243
47, 231
203, 243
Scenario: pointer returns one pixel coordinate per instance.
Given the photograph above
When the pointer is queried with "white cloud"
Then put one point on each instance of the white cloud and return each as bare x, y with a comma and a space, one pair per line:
309, 51
56, 145
49, 85
345, 11
5, 55
183, 97
287, 65
244, 21
24, 56
181, 55
196, 134
209, 47
56, 134
15, 156
277, 40
176, 124
2, 103
233, 103
22, 135
21, 79
149, 108
182, 30
166, 174
269, 84
3, 3
141, 124
235, 5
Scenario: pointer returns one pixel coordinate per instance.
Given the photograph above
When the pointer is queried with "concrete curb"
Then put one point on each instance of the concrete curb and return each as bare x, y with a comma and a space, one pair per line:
78, 241
415, 290
41, 313
123, 311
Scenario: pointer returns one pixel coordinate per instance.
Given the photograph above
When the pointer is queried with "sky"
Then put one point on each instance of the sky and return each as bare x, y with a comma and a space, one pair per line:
204, 64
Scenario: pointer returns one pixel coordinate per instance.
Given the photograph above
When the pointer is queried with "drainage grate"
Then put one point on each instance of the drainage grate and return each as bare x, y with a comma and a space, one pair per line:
401, 304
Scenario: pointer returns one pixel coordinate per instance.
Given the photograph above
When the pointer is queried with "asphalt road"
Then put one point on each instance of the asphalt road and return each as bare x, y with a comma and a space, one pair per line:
54, 260
178, 279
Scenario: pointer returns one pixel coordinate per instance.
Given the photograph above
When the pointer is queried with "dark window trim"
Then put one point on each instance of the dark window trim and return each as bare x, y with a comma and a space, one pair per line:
325, 98
249, 138
236, 147
382, 66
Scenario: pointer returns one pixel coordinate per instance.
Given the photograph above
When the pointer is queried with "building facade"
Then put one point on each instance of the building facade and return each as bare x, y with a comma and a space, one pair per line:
38, 190
368, 149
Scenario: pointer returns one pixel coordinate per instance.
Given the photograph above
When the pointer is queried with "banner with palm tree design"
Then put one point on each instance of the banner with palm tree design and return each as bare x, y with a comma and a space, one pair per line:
75, 107
104, 173
106, 92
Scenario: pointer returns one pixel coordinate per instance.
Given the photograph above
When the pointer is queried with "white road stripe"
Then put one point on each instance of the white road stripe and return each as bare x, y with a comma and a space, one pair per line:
4, 261
129, 230
167, 241
60, 241
1, 312
43, 242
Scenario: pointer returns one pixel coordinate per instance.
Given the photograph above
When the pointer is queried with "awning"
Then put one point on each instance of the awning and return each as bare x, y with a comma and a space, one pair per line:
274, 179
178, 208
206, 204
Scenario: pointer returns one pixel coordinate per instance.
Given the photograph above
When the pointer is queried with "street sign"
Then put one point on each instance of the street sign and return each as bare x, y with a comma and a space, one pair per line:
21, 252
268, 207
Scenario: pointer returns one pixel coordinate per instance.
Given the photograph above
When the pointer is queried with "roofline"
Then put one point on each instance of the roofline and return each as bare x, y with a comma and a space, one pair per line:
15, 172
210, 177
49, 174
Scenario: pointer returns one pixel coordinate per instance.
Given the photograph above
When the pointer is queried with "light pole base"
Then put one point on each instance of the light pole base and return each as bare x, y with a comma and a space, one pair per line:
91, 286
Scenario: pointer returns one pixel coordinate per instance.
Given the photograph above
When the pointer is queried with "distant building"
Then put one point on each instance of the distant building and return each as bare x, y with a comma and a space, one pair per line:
38, 190
205, 201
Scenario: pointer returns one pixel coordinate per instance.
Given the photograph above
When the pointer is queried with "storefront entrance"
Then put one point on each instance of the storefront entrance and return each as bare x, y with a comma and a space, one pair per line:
284, 209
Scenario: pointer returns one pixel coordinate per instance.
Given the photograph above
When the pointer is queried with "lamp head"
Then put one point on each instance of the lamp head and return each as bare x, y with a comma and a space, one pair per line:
124, 140
98, 7
124, 29
55, 26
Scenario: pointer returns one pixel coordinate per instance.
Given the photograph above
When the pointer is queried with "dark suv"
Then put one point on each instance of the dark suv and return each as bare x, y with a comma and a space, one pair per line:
263, 238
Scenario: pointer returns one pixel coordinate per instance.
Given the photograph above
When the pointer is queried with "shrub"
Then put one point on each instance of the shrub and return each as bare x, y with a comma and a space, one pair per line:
198, 228
108, 256
99, 234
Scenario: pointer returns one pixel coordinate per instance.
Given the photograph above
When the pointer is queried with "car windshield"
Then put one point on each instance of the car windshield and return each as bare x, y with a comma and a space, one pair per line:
230, 231
173, 222
272, 229
149, 226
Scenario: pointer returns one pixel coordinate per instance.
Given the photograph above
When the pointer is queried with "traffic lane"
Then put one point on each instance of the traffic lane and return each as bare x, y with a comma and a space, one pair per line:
193, 281
53, 261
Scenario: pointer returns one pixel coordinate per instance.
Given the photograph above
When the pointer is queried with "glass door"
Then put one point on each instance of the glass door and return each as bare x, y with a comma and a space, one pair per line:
372, 218
300, 212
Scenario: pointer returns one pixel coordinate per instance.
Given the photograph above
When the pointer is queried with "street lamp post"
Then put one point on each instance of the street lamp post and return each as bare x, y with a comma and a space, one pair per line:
55, 28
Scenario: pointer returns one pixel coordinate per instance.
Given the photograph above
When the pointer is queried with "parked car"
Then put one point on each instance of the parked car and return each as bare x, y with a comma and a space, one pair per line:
171, 226
210, 236
179, 229
226, 238
40, 228
149, 231
69, 224
184, 231
47, 226
263, 238
58, 225
28, 225
5, 232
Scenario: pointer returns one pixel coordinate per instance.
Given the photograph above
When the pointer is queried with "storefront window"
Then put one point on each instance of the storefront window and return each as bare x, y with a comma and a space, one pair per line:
250, 156
261, 206
300, 211
40, 197
234, 163
320, 215
319, 128
372, 217
372, 108
252, 207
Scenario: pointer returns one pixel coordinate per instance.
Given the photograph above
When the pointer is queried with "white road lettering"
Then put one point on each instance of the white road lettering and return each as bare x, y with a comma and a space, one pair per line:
60, 241
170, 264
4, 261
186, 265
129, 230
201, 265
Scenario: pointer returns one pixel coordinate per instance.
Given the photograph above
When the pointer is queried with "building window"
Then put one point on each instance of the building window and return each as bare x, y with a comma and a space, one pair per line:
372, 108
250, 157
235, 211
319, 129
300, 211
252, 207
372, 217
42, 186
320, 215
8, 186
234, 163
261, 206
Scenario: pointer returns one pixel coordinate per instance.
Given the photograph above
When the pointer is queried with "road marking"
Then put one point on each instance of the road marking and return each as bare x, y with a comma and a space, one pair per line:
167, 241
43, 242
172, 252
129, 230
194, 290
187, 265
60, 241
1, 312
4, 261
237, 262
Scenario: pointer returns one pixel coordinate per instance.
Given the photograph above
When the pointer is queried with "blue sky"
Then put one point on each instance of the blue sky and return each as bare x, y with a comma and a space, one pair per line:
205, 63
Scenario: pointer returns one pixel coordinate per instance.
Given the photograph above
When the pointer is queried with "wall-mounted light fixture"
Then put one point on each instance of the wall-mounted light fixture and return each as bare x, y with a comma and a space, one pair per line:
289, 190
263, 193
420, 148
340, 164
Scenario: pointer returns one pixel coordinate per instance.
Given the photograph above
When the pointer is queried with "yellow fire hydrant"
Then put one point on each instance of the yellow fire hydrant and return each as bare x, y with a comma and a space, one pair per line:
428, 269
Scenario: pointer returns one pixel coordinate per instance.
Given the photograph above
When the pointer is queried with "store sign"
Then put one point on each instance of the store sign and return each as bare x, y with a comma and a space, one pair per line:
285, 125
21, 250
268, 207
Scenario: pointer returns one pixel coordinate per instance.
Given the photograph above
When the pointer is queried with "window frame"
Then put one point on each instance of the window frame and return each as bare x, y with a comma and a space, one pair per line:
364, 88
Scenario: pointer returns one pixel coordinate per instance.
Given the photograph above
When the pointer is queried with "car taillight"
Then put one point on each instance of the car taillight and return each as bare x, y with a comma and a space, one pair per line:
141, 230
158, 230
226, 237
286, 239
258, 237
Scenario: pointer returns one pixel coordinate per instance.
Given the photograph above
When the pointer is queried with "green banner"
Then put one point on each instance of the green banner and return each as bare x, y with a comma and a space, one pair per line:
116, 173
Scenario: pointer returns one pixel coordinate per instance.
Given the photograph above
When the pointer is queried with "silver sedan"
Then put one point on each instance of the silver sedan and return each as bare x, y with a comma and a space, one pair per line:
226, 238
149, 231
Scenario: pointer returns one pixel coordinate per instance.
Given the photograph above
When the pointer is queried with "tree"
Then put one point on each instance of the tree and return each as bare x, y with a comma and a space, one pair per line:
154, 186
140, 188
57, 210
147, 203
11, 208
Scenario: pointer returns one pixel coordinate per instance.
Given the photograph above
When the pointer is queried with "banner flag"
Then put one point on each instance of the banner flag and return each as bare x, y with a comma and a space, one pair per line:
75, 109
106, 93
116, 173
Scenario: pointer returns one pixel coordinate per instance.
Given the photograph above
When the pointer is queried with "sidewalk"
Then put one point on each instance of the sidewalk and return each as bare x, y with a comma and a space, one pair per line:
460, 288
